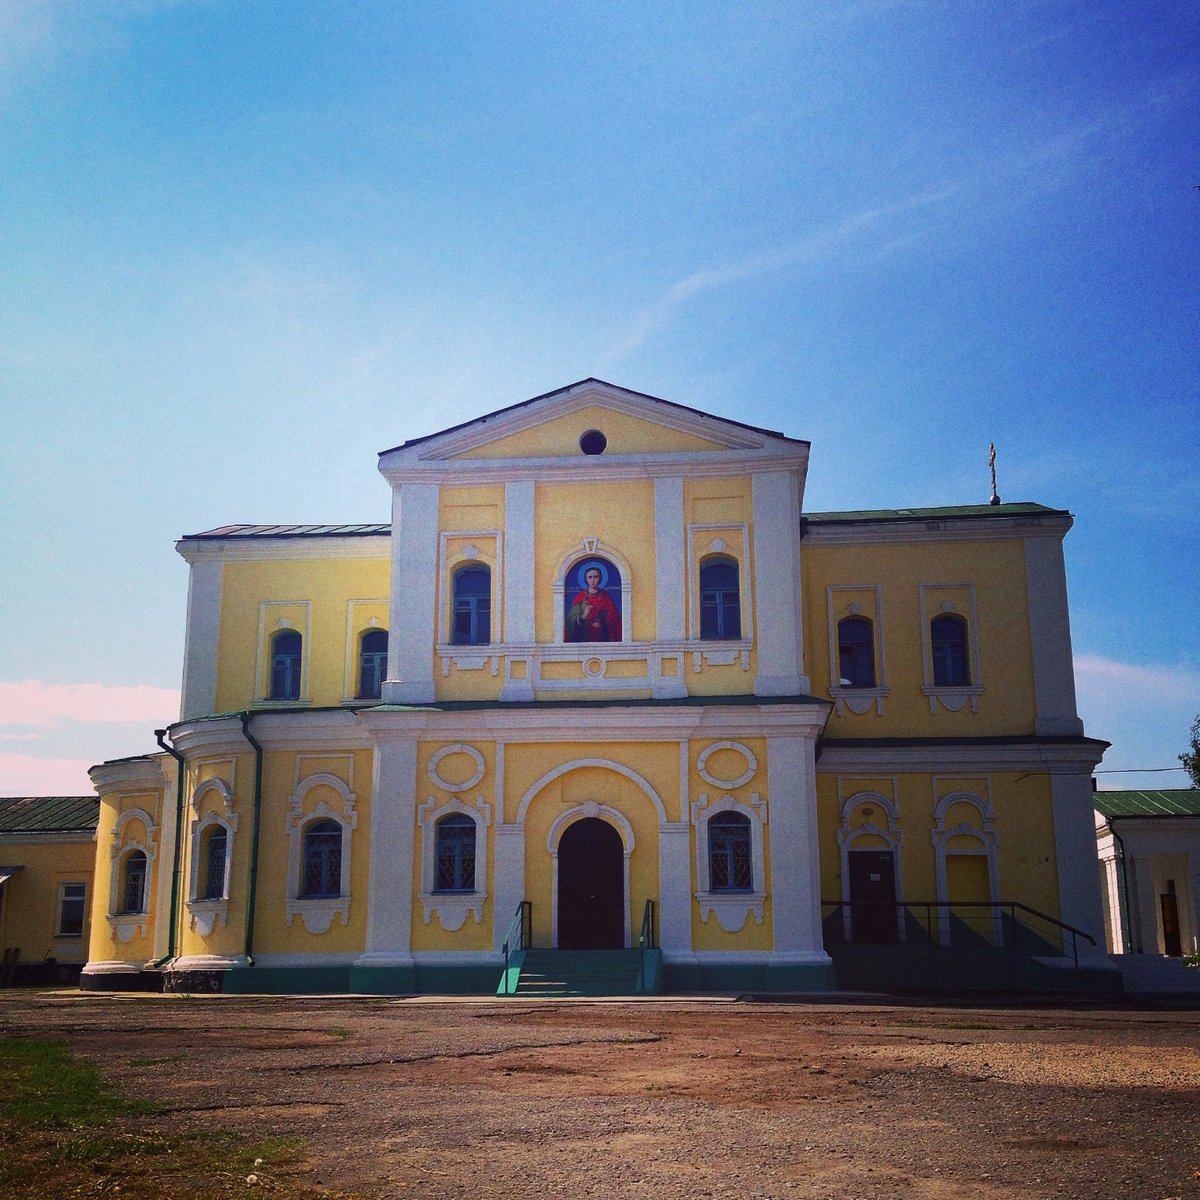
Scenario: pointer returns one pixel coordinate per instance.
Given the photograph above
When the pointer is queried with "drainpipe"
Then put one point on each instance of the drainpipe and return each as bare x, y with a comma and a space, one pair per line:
258, 767
1133, 938
160, 735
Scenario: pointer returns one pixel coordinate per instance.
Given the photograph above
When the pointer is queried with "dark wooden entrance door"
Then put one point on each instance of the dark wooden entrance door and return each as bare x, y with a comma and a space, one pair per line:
1169, 906
872, 896
591, 887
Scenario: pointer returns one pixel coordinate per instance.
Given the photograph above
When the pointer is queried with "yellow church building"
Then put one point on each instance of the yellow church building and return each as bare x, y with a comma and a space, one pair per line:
604, 708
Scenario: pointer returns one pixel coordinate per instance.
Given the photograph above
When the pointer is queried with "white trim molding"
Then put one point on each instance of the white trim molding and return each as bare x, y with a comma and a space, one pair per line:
859, 700
317, 912
206, 911
732, 908
125, 924
452, 907
890, 833
592, 547
957, 599
986, 841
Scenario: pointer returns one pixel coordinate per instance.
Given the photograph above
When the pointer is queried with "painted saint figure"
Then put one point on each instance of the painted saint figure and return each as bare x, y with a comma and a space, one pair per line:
593, 617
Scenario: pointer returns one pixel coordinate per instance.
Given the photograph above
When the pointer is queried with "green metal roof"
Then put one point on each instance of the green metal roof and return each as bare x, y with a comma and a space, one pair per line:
950, 513
290, 531
1174, 802
49, 814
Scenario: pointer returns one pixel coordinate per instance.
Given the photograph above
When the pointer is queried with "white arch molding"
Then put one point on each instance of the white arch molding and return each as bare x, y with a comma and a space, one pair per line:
986, 841
587, 548
606, 764
891, 835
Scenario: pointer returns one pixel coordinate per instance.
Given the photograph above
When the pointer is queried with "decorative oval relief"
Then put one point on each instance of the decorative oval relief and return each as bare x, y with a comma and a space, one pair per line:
733, 748
450, 752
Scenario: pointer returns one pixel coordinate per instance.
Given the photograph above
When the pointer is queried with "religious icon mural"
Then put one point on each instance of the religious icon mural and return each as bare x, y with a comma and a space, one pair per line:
593, 602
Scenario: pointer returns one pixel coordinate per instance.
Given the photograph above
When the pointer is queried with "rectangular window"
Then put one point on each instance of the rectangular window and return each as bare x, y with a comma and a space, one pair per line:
71, 897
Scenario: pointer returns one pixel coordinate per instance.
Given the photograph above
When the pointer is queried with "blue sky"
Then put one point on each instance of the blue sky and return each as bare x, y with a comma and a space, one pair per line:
248, 245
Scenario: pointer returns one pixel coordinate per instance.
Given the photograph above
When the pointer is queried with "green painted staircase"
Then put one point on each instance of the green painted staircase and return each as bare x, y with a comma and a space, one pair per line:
587, 973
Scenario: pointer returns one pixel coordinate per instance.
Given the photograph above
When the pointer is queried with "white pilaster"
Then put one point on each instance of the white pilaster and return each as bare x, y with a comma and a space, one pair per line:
669, 558
519, 574
509, 876
795, 864
1050, 634
1078, 867
393, 826
413, 621
777, 605
199, 698
675, 887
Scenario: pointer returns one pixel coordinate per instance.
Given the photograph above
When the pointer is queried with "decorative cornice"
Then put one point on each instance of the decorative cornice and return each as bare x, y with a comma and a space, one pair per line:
314, 549
935, 529
131, 774
579, 468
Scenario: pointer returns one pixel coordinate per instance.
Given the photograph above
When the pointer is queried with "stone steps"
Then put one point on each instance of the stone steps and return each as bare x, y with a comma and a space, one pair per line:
579, 973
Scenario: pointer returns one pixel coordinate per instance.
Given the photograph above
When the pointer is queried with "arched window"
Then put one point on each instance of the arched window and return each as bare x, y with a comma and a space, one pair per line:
285, 665
372, 663
948, 638
322, 870
472, 606
720, 599
133, 883
856, 652
592, 602
214, 848
729, 868
455, 865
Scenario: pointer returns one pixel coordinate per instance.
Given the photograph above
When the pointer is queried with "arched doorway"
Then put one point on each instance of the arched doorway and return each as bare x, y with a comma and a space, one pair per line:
591, 887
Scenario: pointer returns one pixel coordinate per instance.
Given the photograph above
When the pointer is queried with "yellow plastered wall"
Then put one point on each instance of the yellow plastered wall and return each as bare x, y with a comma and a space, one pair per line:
103, 943
472, 524
456, 768
995, 568
621, 515
284, 772
728, 765
1022, 818
526, 766
314, 597
626, 435
719, 516
234, 772
31, 898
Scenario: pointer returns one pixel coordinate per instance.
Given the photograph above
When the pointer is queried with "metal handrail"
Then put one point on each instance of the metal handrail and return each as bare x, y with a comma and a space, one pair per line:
1011, 906
646, 941
518, 937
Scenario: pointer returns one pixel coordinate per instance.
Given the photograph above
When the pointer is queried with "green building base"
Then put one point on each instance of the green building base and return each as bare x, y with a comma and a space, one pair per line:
759, 977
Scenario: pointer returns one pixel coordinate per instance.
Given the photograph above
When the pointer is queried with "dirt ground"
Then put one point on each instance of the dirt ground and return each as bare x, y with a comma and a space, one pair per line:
672, 1097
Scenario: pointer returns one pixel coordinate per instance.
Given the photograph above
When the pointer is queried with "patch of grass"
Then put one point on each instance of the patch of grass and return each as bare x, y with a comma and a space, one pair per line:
339, 1031
46, 1088
65, 1130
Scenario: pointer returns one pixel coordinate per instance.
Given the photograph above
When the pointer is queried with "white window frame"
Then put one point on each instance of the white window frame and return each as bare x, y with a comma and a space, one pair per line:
732, 909
125, 925
205, 913
962, 605
452, 908
318, 912
59, 935
987, 841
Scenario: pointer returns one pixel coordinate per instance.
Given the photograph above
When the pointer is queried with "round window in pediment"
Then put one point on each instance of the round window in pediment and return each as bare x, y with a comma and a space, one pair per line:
593, 442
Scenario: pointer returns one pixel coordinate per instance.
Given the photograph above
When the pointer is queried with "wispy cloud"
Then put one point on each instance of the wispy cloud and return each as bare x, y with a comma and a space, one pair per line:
1168, 684
24, 775
837, 237
34, 703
